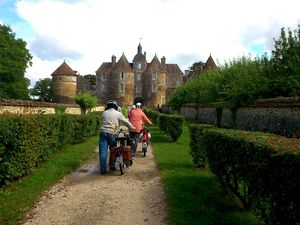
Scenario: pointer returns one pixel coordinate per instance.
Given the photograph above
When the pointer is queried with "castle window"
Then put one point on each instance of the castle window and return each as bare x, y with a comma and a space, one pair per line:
103, 88
139, 66
138, 89
121, 87
103, 76
122, 75
154, 88
138, 76
162, 100
154, 76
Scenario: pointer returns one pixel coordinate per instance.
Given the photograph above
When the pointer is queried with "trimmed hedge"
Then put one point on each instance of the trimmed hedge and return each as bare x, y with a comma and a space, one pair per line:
27, 141
171, 124
153, 115
197, 145
263, 170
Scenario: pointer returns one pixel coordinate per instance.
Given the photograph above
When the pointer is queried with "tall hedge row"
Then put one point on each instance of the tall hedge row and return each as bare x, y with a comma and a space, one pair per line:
197, 145
263, 170
27, 141
171, 124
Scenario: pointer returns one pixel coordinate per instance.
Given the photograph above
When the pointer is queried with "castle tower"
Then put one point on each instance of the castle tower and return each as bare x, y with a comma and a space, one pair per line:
64, 81
154, 82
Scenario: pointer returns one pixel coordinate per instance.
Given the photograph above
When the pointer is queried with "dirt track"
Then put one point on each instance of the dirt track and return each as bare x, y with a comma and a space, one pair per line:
87, 198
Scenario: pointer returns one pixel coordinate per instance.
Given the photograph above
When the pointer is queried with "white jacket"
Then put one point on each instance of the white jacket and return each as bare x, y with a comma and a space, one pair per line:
111, 119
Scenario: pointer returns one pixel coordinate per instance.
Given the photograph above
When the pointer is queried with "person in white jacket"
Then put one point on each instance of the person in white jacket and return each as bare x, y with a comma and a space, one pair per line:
111, 118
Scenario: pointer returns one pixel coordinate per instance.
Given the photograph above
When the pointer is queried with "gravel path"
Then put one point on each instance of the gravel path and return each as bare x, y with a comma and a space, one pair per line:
87, 198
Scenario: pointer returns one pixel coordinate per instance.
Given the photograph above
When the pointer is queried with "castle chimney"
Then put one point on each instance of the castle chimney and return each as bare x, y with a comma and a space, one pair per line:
113, 60
163, 61
145, 54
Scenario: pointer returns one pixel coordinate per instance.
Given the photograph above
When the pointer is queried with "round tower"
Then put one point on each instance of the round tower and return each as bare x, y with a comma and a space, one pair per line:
64, 81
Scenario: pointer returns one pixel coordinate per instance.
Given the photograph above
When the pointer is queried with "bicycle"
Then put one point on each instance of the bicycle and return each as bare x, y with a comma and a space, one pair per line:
145, 139
121, 154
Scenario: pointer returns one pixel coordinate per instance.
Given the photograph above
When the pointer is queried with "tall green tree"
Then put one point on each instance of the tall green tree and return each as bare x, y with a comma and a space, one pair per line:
14, 59
285, 64
91, 78
42, 90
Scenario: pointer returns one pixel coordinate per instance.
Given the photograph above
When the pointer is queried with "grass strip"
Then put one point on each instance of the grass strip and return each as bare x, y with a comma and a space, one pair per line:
194, 196
19, 197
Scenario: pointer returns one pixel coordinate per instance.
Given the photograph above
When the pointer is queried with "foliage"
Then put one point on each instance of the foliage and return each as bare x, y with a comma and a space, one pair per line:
28, 141
263, 170
194, 196
43, 90
197, 144
172, 125
153, 115
91, 78
14, 59
243, 80
86, 101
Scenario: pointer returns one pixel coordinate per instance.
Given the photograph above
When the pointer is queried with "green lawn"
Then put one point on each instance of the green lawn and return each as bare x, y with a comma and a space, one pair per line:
17, 198
194, 196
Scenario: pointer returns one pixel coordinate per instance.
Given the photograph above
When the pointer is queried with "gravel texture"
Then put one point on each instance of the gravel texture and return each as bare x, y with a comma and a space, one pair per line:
87, 198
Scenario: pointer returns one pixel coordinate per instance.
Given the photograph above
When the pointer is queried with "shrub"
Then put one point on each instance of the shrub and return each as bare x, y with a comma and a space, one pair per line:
197, 144
263, 170
172, 125
27, 141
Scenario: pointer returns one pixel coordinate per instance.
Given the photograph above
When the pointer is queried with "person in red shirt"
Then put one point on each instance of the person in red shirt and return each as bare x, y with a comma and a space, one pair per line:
137, 117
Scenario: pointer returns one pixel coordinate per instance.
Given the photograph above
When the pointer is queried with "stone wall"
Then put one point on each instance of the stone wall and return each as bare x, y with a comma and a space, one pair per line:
21, 107
280, 116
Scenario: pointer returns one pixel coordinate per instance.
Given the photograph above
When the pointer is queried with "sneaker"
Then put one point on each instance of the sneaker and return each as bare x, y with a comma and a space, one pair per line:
103, 172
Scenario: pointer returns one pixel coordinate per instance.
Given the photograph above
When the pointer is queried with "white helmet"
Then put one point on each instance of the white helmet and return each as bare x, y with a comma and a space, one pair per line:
138, 105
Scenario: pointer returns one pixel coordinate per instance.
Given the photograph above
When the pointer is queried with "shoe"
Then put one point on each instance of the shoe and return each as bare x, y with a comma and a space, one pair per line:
103, 172
113, 169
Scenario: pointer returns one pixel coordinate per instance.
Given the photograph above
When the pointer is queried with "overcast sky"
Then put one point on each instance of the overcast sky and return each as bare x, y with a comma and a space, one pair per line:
87, 33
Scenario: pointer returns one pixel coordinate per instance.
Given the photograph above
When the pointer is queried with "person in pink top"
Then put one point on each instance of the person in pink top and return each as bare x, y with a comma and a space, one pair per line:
137, 117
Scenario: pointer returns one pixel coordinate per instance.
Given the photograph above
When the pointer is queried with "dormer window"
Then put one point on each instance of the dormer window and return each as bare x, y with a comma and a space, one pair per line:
139, 66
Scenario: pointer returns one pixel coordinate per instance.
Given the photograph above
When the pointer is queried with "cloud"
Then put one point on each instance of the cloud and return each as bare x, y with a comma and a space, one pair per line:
49, 48
89, 32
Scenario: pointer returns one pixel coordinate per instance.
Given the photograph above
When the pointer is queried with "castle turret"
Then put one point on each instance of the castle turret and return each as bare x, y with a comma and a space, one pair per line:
64, 81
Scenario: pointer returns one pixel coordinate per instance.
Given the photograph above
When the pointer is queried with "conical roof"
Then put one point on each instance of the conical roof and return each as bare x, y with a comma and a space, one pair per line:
64, 69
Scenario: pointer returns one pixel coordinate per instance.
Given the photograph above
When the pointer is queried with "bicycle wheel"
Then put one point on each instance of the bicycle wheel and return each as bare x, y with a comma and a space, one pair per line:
121, 168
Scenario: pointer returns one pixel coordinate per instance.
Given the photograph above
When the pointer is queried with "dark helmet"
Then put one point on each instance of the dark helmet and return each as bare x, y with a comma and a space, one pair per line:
138, 105
112, 104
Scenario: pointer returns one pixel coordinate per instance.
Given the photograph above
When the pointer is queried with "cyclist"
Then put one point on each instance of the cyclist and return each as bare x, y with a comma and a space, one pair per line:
137, 117
111, 118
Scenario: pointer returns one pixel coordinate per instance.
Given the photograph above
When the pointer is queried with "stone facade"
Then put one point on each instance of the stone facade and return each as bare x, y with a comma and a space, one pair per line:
125, 82
278, 116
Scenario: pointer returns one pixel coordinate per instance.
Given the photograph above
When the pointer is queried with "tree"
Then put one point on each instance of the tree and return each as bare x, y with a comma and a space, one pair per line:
91, 78
43, 90
86, 101
14, 59
285, 64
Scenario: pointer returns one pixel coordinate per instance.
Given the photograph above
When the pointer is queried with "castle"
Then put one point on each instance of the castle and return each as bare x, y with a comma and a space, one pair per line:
149, 82
127, 82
